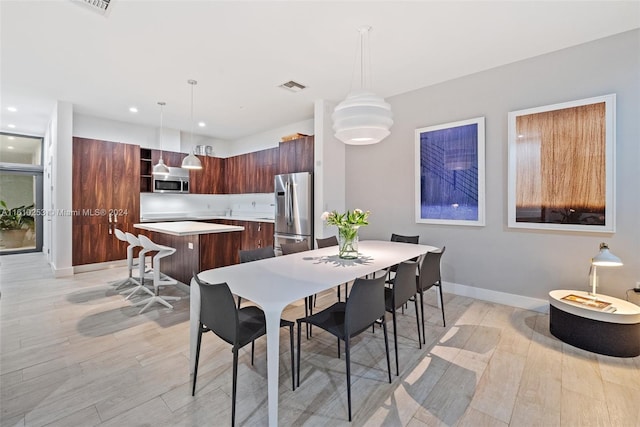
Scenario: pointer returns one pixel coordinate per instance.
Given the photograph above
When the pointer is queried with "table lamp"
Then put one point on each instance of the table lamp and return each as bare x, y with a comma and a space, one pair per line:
604, 258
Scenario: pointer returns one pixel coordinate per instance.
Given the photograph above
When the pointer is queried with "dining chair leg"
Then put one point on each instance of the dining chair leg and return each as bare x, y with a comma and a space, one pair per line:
195, 371
348, 362
234, 386
298, 367
386, 347
395, 340
253, 343
444, 323
415, 301
293, 375
424, 339
339, 348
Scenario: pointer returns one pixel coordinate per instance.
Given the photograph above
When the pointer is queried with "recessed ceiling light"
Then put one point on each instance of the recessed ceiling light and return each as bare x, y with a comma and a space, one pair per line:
12, 137
12, 109
11, 126
202, 124
133, 109
10, 147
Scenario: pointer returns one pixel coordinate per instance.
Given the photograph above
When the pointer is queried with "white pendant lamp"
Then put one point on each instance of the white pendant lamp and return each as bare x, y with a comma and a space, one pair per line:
191, 161
363, 117
161, 168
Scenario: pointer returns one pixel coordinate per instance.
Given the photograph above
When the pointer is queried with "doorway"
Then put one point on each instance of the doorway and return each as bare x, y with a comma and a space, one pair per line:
21, 178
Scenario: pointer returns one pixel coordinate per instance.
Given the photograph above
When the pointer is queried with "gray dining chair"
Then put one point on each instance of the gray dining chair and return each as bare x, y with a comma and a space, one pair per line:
346, 320
292, 248
249, 255
403, 289
238, 327
328, 242
429, 276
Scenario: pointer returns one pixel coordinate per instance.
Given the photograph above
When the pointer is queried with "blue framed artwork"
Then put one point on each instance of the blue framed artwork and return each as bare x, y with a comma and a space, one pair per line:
450, 173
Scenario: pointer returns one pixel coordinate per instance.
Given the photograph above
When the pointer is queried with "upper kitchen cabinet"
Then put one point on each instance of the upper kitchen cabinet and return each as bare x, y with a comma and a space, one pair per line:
252, 172
297, 155
149, 158
210, 179
105, 196
171, 158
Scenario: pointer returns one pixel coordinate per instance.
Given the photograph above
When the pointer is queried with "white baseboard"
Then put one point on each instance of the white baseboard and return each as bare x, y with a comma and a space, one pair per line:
528, 303
61, 272
99, 266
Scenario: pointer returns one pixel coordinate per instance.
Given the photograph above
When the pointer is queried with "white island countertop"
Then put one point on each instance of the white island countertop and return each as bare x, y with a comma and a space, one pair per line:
187, 228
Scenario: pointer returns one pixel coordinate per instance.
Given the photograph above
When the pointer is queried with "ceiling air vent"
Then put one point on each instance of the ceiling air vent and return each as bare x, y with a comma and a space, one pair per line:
292, 86
99, 6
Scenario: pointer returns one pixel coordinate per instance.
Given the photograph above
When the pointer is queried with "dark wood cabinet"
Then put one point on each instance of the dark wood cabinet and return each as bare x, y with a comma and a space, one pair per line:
210, 179
296, 155
105, 195
171, 158
146, 167
149, 158
252, 172
255, 235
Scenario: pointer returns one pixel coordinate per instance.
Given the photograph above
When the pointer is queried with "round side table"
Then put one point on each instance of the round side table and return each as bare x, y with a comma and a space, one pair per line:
608, 325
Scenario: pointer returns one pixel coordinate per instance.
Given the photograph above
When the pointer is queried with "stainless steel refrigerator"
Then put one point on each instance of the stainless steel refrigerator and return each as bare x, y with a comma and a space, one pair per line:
294, 209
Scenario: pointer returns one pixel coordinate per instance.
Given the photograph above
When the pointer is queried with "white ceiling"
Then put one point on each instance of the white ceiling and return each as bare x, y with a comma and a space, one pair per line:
144, 51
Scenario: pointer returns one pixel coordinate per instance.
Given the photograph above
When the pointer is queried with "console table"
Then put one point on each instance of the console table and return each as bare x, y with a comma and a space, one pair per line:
609, 325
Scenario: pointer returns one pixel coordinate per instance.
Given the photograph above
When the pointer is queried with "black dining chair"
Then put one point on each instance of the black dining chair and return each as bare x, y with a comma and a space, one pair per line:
325, 243
346, 320
429, 276
403, 289
238, 327
292, 248
249, 255
403, 239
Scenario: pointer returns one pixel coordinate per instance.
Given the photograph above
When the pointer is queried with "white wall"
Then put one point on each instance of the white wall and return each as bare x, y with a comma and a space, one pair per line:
61, 225
144, 136
380, 177
329, 171
267, 139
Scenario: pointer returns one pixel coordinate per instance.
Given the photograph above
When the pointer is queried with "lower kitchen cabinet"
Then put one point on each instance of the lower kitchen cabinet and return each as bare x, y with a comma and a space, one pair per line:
255, 235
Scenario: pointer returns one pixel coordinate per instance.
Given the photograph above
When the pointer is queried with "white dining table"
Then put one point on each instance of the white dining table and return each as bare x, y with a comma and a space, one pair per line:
274, 283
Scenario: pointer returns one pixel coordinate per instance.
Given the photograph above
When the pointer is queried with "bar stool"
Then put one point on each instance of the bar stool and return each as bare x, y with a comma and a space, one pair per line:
162, 252
120, 235
142, 267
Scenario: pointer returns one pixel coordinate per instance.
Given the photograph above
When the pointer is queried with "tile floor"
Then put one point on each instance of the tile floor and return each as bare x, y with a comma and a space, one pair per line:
73, 352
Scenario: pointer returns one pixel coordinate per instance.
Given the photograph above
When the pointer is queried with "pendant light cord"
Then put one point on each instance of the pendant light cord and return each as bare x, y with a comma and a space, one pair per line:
192, 83
161, 104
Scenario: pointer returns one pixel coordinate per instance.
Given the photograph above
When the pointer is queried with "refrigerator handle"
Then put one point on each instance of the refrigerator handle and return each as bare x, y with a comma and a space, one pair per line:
288, 203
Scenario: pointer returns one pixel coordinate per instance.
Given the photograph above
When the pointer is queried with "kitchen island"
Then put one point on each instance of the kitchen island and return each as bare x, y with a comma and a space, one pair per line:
199, 246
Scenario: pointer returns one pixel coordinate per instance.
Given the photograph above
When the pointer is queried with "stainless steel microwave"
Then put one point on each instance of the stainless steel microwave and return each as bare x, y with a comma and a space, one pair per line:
176, 182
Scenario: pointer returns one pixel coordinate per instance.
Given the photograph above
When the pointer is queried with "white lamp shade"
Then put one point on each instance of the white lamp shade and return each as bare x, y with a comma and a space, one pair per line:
362, 118
606, 258
191, 162
160, 168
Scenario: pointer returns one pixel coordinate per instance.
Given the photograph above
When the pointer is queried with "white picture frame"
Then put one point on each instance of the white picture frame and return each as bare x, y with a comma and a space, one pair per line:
561, 172
450, 173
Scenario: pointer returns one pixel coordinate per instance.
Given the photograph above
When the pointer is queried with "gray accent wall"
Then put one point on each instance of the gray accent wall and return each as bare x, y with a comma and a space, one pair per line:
527, 263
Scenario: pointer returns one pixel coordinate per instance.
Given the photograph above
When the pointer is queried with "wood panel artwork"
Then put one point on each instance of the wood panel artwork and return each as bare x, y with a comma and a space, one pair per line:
561, 165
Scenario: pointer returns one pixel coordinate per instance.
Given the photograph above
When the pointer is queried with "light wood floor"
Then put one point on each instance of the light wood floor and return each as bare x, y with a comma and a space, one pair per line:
75, 353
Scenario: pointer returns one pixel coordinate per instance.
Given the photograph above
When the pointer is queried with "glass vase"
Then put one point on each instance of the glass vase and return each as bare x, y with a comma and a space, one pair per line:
348, 242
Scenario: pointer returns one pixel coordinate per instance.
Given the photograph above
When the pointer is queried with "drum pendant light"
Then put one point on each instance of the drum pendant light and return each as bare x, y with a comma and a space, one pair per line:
363, 117
191, 161
160, 168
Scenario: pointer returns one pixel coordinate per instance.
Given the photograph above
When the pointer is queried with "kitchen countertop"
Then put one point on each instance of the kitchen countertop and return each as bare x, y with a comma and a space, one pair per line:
203, 217
187, 228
